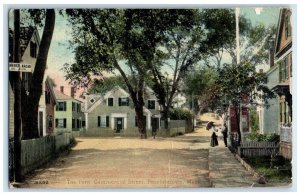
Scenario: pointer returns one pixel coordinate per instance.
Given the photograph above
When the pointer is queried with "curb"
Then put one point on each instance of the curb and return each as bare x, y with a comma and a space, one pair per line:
248, 167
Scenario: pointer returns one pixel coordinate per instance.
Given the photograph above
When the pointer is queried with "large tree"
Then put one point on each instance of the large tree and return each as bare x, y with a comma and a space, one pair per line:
30, 100
121, 40
184, 47
201, 84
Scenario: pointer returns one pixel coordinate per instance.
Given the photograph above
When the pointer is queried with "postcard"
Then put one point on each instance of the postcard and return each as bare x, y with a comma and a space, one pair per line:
150, 98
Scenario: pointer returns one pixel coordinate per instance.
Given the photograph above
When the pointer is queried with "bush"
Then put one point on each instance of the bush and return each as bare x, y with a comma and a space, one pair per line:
180, 114
273, 137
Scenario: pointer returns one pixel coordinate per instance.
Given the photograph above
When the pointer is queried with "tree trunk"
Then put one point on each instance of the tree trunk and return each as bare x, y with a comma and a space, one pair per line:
30, 107
237, 116
166, 115
140, 121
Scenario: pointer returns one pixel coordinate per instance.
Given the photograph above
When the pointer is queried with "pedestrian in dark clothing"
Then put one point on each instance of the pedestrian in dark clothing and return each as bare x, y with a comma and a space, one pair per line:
225, 134
214, 138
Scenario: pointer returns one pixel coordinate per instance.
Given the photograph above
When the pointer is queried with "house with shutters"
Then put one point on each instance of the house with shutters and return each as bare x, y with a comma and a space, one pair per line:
68, 114
277, 117
112, 113
29, 46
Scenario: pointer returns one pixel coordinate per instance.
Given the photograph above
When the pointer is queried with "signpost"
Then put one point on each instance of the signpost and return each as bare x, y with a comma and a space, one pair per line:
20, 67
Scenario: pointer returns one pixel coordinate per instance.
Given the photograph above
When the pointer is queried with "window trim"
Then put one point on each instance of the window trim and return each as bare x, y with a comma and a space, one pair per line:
154, 104
120, 101
112, 101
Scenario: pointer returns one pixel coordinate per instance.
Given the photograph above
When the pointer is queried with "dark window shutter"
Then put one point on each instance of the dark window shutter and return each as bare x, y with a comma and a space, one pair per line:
65, 122
107, 121
127, 101
65, 106
99, 121
119, 101
56, 122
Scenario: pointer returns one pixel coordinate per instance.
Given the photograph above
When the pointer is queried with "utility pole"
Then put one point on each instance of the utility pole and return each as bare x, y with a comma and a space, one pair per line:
17, 95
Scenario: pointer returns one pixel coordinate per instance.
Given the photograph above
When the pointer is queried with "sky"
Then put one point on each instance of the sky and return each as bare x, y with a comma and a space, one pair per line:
60, 53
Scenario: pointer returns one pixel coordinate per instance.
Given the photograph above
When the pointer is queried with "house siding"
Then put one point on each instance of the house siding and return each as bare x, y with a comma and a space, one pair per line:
68, 115
271, 113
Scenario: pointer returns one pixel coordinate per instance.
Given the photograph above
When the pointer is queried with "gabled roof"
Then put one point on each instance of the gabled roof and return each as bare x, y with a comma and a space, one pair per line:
280, 26
61, 96
26, 34
110, 93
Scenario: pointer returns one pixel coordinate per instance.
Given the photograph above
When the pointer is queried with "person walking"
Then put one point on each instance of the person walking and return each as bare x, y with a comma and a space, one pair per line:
214, 138
225, 134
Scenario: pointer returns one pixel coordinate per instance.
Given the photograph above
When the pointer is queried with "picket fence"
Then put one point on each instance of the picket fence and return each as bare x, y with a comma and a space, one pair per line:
256, 149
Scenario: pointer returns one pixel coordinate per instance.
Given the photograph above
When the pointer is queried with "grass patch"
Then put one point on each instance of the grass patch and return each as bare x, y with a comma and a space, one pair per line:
280, 170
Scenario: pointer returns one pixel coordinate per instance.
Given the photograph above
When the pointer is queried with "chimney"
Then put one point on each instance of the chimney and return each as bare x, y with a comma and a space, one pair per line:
62, 89
73, 91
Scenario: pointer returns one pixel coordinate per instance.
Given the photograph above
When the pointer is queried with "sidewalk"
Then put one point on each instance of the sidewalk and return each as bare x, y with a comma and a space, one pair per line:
225, 171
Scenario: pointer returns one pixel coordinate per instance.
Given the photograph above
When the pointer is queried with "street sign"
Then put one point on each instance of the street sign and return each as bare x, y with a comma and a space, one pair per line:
21, 67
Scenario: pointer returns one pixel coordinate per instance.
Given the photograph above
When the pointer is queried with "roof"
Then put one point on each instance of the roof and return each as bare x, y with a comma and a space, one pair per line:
26, 34
61, 96
280, 25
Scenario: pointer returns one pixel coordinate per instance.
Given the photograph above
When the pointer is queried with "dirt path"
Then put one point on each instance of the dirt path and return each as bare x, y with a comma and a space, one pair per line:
131, 163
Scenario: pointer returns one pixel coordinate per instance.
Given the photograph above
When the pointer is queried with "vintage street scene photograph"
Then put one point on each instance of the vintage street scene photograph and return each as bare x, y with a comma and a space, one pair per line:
148, 98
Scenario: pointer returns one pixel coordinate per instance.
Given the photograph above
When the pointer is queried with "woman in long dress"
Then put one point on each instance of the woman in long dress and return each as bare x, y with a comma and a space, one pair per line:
214, 137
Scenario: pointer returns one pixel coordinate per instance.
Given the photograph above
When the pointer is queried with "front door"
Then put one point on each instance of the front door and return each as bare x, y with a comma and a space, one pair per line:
119, 124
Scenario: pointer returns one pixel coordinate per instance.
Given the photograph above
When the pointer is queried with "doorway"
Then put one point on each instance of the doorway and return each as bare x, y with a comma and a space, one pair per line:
119, 124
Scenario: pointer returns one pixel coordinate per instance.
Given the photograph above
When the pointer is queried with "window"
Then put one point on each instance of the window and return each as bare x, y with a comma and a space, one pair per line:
283, 70
110, 101
78, 107
47, 97
151, 104
103, 121
50, 121
33, 49
61, 106
61, 123
78, 123
123, 101
73, 106
288, 26
73, 123
83, 123
92, 100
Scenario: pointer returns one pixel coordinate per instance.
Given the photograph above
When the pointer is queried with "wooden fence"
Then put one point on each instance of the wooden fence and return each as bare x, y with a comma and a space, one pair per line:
256, 149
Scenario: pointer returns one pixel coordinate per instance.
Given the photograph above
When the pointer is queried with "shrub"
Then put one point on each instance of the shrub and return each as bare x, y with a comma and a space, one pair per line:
263, 137
180, 114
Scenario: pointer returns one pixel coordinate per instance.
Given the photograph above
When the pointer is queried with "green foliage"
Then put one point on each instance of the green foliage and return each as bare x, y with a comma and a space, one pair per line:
106, 84
239, 81
254, 136
180, 114
202, 85
277, 170
254, 121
